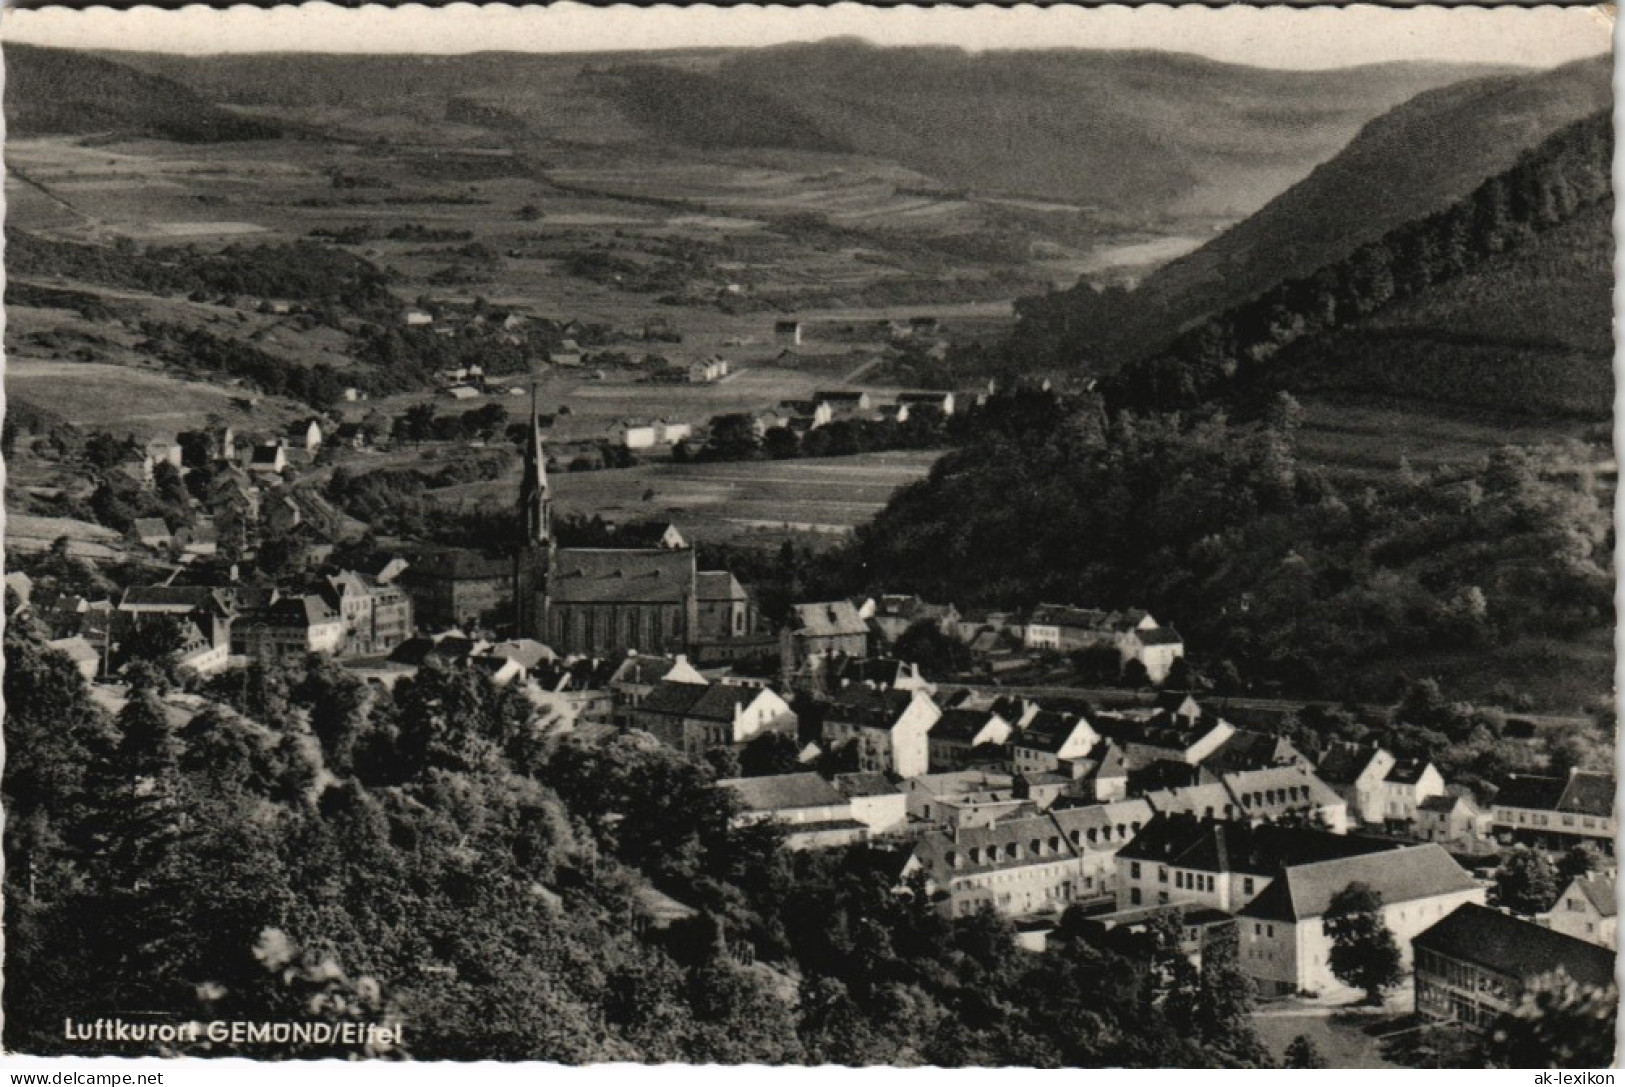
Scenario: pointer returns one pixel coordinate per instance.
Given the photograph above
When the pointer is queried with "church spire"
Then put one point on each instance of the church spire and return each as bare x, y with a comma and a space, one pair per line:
535, 499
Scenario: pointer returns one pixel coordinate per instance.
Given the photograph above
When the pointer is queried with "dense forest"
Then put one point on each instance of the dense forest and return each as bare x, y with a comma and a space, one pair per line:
1244, 348
442, 857
1300, 580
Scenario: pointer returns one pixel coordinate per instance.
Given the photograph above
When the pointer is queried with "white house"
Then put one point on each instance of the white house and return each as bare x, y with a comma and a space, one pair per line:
1587, 910
891, 728
1357, 772
1408, 783
1284, 945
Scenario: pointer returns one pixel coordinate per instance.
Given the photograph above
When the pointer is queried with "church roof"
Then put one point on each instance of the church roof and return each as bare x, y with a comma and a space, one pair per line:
612, 576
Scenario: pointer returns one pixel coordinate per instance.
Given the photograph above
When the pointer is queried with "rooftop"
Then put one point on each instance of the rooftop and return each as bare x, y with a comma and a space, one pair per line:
641, 575
1489, 938
1399, 875
784, 792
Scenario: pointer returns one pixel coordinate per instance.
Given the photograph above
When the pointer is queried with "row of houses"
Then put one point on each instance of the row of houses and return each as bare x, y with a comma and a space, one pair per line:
816, 632
827, 406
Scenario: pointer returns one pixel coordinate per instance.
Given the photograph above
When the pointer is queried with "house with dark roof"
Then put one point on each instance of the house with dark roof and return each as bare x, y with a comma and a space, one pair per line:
1186, 734
211, 610
1587, 909
458, 588
1356, 772
890, 729
812, 812
1406, 784
639, 673
1284, 946
958, 731
693, 717
1050, 739
1454, 820
890, 614
1023, 866
1222, 863
1475, 964
1249, 750
822, 630
287, 627
152, 532
1557, 812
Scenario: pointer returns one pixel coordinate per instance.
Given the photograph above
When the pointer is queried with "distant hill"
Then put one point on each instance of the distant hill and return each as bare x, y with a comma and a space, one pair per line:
1135, 137
61, 92
1414, 160
1500, 301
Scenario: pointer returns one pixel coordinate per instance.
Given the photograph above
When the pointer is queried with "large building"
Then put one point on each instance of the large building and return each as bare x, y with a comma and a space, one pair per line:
600, 601
1475, 964
1558, 812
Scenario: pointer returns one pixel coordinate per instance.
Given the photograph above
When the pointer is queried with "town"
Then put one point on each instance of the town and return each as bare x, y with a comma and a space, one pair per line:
1110, 809
816, 552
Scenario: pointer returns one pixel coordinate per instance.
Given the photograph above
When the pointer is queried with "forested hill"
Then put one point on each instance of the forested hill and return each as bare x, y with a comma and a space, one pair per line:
1501, 301
1321, 586
1416, 159
59, 91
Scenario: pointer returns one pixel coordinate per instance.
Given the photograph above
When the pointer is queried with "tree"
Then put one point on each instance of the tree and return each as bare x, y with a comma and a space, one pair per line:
1135, 675
1526, 882
733, 437
1303, 1053
770, 753
1580, 860
1558, 1024
936, 653
1364, 953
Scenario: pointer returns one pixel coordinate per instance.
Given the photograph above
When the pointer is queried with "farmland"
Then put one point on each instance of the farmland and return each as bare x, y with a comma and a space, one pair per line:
752, 502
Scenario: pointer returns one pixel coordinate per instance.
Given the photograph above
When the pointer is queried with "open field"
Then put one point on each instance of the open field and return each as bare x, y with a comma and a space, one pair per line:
1341, 1038
730, 501
30, 534
122, 399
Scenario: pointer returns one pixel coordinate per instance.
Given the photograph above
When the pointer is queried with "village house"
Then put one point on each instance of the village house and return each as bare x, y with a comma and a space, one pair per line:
811, 811
1454, 820
694, 717
1557, 812
268, 459
1284, 946
306, 434
377, 616
1222, 863
820, 630
881, 673
1408, 783
636, 676
648, 433
787, 333
845, 403
876, 802
1156, 650
198, 655
1049, 739
927, 794
161, 450
1248, 750
137, 468
212, 611
152, 533
707, 370
287, 627
943, 402
959, 731
1475, 964
891, 614
1184, 733
1357, 772
1021, 866
897, 414
459, 588
890, 728
1587, 909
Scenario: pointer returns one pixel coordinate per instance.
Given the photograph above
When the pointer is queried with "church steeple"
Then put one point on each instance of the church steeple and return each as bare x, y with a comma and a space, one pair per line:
535, 499
533, 559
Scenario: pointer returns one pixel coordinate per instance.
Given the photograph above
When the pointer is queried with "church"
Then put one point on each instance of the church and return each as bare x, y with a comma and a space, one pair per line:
599, 601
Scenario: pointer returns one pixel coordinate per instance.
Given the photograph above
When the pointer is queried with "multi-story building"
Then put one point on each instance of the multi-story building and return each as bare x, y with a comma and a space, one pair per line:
458, 588
960, 731
1357, 772
821, 630
1048, 739
1285, 947
692, 717
890, 728
1475, 964
1220, 863
1408, 783
1558, 812
377, 616
287, 627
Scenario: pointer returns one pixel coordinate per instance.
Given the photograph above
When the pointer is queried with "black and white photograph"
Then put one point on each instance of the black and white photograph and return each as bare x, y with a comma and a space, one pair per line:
923, 537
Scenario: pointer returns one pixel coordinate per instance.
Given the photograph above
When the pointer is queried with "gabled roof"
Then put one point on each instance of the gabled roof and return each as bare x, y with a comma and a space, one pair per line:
721, 701
1489, 938
1213, 845
1589, 792
1599, 891
1131, 815
642, 668
1249, 750
837, 617
782, 792
1407, 771
1344, 762
961, 726
713, 585
865, 783
1447, 803
525, 652
622, 575
1531, 791
1293, 787
150, 526
1048, 731
1398, 875
76, 648
858, 704
459, 564
1158, 636
672, 699
173, 598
